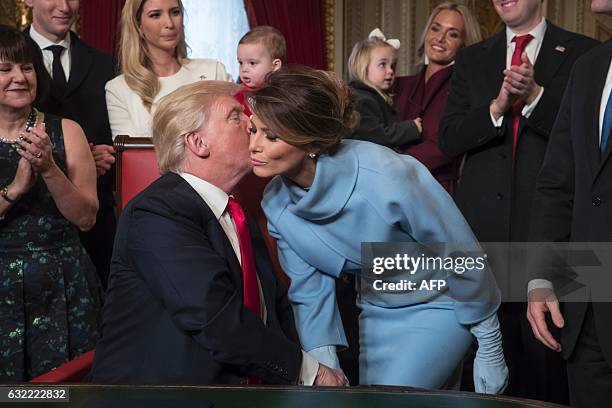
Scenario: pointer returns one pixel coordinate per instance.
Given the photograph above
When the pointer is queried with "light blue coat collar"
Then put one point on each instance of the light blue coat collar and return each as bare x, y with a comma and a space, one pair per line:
334, 182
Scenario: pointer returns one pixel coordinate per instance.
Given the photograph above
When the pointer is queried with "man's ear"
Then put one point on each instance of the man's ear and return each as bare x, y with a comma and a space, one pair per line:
197, 144
277, 64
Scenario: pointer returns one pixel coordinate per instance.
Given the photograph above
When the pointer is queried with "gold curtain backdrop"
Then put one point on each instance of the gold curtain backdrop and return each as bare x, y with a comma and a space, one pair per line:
405, 20
15, 13
347, 21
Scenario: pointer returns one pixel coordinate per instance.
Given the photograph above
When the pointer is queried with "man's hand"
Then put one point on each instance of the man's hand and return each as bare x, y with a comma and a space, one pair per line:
502, 102
330, 377
419, 124
520, 82
541, 301
103, 156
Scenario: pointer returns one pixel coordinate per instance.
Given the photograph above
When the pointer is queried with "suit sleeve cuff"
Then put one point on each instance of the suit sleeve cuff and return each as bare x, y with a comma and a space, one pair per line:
528, 109
309, 369
497, 122
539, 284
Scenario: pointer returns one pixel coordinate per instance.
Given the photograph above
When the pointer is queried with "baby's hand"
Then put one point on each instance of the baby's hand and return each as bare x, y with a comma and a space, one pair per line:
419, 124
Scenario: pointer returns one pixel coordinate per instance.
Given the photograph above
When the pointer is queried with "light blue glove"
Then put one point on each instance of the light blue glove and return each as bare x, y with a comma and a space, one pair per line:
490, 370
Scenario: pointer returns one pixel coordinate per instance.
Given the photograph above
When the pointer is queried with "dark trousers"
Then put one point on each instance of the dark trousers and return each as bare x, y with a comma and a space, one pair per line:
536, 372
589, 374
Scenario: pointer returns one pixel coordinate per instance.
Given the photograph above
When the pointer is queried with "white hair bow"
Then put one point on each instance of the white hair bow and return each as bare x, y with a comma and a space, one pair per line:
376, 33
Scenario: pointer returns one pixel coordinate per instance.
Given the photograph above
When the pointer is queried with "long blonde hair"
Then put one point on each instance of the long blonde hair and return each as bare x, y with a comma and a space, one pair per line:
360, 59
134, 53
471, 33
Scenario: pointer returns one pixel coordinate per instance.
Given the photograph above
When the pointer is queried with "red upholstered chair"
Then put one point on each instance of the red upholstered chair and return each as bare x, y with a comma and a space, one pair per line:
72, 371
136, 167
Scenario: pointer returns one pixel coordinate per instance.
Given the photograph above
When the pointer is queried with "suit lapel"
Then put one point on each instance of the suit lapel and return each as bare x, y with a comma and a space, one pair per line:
435, 83
593, 105
494, 64
206, 218
554, 50
81, 61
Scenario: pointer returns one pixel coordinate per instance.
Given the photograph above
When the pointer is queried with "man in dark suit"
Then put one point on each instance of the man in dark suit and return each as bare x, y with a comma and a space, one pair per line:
192, 295
78, 74
500, 111
573, 201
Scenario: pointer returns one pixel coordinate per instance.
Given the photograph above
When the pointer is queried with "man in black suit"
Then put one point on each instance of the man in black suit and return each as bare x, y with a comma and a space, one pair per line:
503, 100
180, 306
78, 74
573, 201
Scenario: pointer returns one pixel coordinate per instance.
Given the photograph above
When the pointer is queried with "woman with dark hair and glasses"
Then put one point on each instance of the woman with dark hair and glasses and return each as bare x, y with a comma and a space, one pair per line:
49, 291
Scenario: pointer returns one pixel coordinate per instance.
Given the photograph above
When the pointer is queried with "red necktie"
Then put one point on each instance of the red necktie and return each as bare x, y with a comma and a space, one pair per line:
249, 272
521, 42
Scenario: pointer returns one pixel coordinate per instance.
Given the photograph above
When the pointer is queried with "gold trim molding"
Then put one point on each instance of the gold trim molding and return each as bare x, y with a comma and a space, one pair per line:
330, 33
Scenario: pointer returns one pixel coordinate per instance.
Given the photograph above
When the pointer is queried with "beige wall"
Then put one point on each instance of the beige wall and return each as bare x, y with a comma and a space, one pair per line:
405, 20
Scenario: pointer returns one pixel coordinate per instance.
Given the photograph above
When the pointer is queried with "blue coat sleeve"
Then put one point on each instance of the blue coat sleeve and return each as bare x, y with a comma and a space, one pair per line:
313, 298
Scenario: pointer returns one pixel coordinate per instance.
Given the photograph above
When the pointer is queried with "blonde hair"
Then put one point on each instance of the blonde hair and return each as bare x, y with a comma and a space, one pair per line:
471, 34
307, 108
360, 59
180, 112
271, 38
134, 54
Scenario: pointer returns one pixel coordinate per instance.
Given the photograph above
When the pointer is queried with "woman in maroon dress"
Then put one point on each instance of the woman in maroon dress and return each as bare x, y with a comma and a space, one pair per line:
450, 27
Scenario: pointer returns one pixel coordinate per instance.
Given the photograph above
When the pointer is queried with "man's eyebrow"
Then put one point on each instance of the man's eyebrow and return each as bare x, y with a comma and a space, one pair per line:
235, 109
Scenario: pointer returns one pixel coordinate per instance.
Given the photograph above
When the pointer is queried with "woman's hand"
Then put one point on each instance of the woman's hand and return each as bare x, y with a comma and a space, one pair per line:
490, 370
24, 178
37, 149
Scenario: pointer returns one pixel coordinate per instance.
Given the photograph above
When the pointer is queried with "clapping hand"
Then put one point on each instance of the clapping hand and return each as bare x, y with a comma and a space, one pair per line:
104, 157
520, 82
37, 149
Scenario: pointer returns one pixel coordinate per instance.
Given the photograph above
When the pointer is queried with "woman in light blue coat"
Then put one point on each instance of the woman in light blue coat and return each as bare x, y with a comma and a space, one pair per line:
329, 197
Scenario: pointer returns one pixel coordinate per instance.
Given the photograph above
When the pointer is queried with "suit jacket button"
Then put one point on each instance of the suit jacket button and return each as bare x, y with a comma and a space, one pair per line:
500, 196
596, 201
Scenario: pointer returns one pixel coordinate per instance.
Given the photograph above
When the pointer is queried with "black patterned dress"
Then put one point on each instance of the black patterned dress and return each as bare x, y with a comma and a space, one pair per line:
49, 291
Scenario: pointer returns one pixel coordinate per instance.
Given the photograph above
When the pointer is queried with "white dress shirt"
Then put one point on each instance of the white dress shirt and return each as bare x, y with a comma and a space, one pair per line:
44, 42
217, 199
533, 50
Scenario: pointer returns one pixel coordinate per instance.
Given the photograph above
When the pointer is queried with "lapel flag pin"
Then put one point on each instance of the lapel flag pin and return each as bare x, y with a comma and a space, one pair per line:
560, 48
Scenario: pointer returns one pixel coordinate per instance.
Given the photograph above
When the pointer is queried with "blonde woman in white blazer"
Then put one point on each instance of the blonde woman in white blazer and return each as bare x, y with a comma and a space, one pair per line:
154, 62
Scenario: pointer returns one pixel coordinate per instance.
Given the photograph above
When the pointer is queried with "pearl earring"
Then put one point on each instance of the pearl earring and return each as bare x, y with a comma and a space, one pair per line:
312, 156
